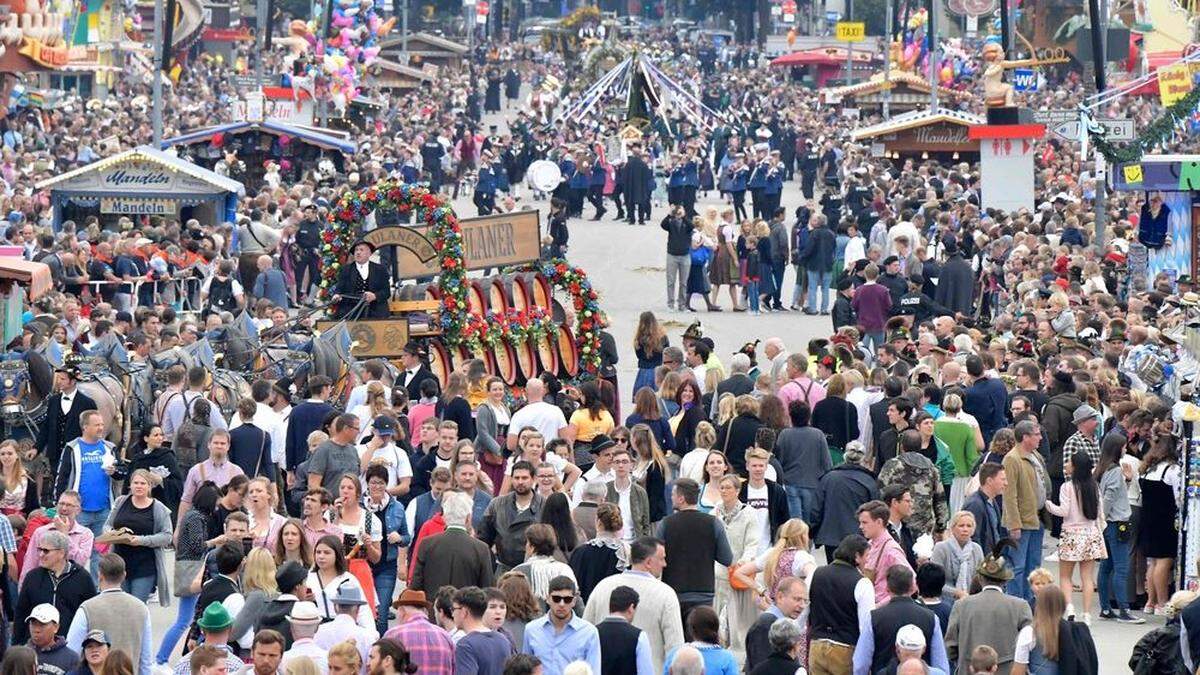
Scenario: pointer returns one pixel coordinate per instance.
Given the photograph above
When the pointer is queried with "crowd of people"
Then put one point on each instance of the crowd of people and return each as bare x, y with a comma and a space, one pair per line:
992, 386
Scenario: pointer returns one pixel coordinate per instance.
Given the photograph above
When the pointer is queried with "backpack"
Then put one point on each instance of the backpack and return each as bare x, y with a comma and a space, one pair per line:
220, 294
1076, 649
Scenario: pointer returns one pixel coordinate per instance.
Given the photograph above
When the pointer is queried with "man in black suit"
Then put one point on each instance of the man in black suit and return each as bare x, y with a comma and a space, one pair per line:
638, 186
738, 382
791, 597
361, 279
415, 371
62, 414
624, 648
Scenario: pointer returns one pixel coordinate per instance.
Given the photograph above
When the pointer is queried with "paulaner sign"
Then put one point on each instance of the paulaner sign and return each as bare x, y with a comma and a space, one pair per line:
488, 241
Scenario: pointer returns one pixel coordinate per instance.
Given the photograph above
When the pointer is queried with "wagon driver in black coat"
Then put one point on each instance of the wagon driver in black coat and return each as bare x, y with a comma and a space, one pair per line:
361, 278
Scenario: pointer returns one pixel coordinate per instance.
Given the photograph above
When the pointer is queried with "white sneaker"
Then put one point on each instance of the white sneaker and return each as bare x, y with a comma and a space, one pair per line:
1070, 609
1087, 619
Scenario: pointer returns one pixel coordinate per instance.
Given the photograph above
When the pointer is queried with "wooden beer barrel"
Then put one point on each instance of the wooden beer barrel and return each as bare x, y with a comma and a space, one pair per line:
459, 356
505, 360
547, 351
517, 292
568, 353
540, 290
419, 292
477, 297
527, 360
497, 295
439, 362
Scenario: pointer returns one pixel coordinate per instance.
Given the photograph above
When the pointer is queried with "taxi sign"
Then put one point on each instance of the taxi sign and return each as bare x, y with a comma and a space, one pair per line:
851, 31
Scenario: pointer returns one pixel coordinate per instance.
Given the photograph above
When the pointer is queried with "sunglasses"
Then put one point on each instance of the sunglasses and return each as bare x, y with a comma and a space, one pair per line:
620, 440
562, 599
46, 551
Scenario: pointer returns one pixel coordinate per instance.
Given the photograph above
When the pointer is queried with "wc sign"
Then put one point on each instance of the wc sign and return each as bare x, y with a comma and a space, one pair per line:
1024, 79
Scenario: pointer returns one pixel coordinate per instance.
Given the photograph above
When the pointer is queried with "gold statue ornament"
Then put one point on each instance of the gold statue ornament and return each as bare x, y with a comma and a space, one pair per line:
996, 92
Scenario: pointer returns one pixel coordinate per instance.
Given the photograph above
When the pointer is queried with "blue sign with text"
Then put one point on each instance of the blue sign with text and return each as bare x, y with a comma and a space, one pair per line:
1024, 79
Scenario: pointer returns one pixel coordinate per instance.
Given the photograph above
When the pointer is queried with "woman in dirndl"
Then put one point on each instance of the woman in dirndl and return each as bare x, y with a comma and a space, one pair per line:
362, 536
649, 341
723, 270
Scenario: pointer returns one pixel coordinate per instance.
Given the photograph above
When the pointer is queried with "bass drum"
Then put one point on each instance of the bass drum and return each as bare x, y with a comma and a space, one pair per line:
568, 353
543, 175
439, 362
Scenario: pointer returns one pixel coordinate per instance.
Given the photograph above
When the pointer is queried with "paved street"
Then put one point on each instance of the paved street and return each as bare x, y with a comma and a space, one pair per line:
626, 265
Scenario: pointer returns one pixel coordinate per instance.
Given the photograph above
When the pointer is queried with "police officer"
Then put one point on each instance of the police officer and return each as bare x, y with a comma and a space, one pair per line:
810, 163
431, 156
916, 304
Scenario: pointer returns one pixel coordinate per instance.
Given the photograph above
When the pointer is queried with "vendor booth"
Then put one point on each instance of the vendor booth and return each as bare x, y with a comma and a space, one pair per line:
1177, 179
923, 134
143, 182
295, 149
819, 65
424, 48
908, 92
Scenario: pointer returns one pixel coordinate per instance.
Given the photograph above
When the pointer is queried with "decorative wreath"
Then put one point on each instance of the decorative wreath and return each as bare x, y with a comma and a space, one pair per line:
459, 325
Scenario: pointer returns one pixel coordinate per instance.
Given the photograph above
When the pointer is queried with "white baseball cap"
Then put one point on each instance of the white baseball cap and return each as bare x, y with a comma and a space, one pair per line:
45, 613
910, 638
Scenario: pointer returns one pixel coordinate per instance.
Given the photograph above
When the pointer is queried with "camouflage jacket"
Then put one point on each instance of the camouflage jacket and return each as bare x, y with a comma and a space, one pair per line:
924, 482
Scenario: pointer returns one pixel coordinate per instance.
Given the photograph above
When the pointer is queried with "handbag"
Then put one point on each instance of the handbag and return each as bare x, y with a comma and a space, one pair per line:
189, 575
1124, 530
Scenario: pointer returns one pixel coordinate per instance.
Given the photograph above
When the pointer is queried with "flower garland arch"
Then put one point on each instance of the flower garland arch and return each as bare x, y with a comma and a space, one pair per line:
459, 325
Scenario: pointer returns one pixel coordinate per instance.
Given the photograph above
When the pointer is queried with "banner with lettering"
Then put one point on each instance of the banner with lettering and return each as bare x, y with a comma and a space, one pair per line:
488, 242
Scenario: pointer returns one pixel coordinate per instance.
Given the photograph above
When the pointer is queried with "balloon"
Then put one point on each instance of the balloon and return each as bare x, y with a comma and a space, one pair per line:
285, 140
218, 140
947, 75
342, 21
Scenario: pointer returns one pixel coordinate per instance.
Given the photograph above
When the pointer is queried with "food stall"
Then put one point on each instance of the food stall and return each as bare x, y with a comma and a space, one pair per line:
923, 134
143, 182
296, 149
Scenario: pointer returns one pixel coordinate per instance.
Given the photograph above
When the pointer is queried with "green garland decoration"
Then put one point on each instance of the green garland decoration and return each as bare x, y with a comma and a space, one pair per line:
1154, 133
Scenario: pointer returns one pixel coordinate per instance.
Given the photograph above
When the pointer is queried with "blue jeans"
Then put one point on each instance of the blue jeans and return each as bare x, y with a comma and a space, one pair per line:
140, 587
1114, 569
94, 521
1025, 558
801, 502
875, 340
752, 295
818, 282
385, 587
183, 620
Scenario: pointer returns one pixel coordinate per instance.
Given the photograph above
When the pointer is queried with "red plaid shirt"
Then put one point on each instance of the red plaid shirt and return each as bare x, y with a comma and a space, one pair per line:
429, 647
